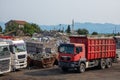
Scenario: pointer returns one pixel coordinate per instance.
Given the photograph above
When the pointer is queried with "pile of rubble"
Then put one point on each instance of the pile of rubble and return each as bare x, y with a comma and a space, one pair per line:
42, 48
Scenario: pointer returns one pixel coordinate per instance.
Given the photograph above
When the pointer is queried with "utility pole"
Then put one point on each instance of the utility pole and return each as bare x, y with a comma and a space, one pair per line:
115, 31
73, 26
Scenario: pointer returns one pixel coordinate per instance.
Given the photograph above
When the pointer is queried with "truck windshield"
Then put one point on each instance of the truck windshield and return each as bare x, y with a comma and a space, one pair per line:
66, 48
4, 52
19, 48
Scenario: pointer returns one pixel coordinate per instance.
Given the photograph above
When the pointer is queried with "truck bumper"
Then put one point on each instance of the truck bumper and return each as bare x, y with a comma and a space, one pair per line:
69, 64
4, 71
19, 66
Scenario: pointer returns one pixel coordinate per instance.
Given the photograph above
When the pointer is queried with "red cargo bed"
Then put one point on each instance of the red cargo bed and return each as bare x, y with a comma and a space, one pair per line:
96, 47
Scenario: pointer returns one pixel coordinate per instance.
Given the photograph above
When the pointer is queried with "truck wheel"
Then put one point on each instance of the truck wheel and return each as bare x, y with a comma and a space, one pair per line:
102, 64
108, 63
81, 69
64, 69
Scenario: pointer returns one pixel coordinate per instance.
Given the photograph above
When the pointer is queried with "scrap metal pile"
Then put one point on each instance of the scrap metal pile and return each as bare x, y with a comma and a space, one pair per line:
42, 50
39, 54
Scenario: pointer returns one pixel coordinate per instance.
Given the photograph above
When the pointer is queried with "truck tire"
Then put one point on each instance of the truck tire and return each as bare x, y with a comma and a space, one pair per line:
108, 63
102, 64
64, 69
81, 69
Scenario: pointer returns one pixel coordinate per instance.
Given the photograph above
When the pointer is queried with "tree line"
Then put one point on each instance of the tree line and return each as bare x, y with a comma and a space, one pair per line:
30, 28
79, 31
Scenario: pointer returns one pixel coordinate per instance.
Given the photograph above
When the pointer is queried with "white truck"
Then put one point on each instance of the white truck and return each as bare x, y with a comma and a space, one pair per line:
5, 58
18, 53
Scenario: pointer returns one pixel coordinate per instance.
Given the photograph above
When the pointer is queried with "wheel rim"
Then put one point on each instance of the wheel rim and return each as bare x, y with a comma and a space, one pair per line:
103, 64
82, 68
109, 64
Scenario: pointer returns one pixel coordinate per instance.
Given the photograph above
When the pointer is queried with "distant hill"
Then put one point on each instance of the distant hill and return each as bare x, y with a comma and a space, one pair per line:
98, 27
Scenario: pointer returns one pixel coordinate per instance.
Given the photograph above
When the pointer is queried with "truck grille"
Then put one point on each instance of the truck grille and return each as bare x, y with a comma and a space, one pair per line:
4, 65
21, 56
65, 58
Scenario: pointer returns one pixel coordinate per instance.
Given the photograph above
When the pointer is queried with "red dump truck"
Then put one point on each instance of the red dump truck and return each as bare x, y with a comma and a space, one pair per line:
84, 52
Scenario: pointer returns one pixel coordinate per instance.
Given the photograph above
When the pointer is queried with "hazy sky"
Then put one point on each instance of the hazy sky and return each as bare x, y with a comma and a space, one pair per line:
60, 11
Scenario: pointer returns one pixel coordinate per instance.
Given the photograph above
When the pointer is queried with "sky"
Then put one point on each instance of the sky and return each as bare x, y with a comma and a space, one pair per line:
50, 12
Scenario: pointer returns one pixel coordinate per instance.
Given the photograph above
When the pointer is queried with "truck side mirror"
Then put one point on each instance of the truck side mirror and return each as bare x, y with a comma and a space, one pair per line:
11, 49
77, 50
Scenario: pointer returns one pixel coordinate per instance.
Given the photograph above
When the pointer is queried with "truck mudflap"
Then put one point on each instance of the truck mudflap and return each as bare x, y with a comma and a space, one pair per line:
69, 64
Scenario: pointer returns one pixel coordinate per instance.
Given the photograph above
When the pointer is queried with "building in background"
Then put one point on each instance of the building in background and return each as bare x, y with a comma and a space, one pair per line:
13, 27
20, 23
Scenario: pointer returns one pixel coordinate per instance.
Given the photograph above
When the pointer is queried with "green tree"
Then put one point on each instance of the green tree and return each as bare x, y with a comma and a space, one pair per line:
0, 29
12, 27
68, 30
94, 33
59, 30
82, 31
29, 29
37, 29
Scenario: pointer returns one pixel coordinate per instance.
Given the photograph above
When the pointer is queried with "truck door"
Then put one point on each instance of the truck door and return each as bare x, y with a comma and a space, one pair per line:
80, 53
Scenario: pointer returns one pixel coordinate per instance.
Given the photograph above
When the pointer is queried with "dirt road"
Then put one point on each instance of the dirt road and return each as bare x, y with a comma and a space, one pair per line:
55, 73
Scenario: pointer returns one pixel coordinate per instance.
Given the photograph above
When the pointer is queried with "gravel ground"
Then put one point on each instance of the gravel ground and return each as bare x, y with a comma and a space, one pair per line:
55, 73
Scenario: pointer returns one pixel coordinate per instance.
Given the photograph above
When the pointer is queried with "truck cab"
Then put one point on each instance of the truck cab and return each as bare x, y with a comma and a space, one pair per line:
71, 55
5, 58
18, 52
